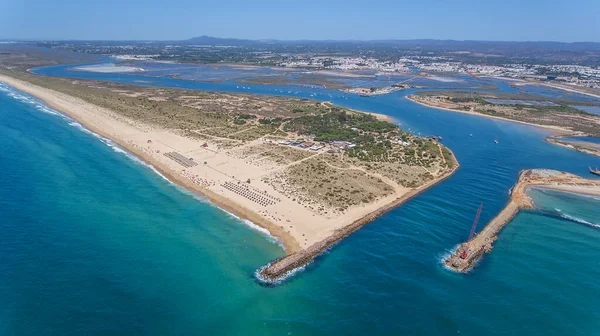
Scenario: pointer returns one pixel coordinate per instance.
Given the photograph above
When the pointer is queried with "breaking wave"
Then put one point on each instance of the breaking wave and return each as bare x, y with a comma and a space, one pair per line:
266, 233
576, 219
40, 106
25, 98
446, 255
286, 276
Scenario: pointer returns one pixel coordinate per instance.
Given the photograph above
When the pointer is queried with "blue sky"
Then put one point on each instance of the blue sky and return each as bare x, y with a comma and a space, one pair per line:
525, 20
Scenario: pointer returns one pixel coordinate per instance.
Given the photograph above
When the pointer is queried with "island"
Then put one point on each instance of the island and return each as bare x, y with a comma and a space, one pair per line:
468, 253
580, 146
308, 172
374, 91
557, 115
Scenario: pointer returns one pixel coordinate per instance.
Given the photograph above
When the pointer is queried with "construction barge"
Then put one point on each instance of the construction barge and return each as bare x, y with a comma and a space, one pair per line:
468, 253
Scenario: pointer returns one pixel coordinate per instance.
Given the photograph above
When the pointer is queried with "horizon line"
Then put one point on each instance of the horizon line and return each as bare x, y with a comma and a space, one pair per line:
266, 40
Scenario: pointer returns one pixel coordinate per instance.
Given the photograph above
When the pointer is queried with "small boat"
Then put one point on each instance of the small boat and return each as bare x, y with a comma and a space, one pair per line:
595, 171
495, 141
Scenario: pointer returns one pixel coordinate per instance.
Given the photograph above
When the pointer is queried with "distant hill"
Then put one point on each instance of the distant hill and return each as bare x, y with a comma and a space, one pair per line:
217, 41
448, 45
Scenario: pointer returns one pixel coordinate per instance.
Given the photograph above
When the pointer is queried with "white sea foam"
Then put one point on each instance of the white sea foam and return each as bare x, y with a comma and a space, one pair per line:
576, 219
23, 97
447, 254
292, 272
579, 220
266, 233
286, 276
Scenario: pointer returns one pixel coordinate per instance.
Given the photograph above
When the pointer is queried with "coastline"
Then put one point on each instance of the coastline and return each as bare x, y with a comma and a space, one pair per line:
289, 243
556, 140
131, 136
555, 129
574, 189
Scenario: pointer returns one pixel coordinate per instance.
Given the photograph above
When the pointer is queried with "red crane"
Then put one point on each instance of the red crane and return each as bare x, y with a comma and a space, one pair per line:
465, 252
475, 222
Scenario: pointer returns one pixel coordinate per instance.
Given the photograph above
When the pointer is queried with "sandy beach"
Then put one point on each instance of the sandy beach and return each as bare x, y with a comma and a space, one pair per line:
216, 173
584, 147
555, 129
591, 190
134, 138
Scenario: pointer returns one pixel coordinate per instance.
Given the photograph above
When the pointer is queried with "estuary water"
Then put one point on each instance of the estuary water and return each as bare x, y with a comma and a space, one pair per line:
96, 243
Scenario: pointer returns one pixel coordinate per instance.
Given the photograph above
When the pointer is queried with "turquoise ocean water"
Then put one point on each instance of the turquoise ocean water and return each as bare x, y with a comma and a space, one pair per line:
93, 242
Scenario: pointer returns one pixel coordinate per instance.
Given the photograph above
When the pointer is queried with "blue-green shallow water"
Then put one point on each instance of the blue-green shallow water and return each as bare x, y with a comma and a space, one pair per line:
160, 262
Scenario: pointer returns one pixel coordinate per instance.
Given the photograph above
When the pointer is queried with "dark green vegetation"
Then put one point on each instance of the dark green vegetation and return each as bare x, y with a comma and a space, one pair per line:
338, 125
372, 137
449, 157
231, 120
468, 100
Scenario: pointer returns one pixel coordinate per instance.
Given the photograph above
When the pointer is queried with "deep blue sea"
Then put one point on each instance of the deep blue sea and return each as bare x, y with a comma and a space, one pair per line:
93, 242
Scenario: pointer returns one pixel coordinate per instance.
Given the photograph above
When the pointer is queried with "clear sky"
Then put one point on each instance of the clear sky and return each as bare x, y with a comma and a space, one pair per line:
524, 20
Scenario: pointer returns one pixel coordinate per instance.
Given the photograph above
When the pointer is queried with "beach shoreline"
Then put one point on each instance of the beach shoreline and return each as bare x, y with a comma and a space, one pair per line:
591, 149
289, 243
133, 137
574, 189
556, 130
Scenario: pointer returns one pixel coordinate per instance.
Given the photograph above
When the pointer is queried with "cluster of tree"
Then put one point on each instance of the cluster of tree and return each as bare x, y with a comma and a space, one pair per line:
369, 123
325, 127
246, 116
468, 100
268, 121
369, 149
